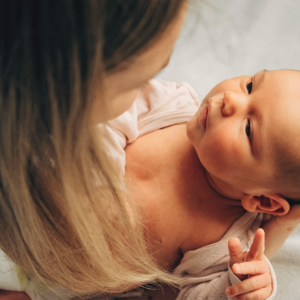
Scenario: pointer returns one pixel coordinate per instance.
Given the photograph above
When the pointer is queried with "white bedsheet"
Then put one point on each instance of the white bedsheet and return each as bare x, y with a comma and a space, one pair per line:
241, 37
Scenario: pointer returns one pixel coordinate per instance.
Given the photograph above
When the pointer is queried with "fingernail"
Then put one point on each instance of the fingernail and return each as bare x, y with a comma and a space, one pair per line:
228, 291
236, 268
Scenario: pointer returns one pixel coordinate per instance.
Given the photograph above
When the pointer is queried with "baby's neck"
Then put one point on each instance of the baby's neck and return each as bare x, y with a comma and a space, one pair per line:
223, 188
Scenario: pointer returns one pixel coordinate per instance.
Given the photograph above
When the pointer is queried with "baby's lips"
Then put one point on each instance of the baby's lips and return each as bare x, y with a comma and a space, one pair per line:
203, 116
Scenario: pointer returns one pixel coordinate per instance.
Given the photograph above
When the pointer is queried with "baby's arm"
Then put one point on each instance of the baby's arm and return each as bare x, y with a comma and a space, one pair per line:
279, 228
250, 267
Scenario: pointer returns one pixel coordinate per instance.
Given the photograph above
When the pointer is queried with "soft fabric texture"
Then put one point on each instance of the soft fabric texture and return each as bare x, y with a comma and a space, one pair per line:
10, 278
206, 270
159, 104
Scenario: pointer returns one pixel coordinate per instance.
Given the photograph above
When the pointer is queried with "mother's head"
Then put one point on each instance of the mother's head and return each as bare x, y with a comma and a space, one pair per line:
65, 65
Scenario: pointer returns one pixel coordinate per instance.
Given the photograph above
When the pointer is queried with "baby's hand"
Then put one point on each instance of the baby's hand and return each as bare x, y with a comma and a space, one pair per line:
250, 267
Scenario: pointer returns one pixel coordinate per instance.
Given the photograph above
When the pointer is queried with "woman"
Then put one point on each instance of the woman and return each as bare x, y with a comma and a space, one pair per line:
66, 66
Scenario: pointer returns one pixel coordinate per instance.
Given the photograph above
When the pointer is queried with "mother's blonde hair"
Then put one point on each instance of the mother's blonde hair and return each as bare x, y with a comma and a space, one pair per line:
64, 212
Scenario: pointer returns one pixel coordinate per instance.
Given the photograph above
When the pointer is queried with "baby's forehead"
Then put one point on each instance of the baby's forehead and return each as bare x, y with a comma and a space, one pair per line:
285, 74
283, 85
292, 73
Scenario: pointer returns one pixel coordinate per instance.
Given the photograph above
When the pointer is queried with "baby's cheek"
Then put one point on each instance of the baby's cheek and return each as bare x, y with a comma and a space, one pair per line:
215, 154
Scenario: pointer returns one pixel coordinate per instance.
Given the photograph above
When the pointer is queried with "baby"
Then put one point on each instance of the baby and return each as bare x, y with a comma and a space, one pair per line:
246, 139
243, 136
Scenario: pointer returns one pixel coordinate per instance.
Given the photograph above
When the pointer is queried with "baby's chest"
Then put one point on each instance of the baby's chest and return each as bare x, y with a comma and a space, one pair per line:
169, 183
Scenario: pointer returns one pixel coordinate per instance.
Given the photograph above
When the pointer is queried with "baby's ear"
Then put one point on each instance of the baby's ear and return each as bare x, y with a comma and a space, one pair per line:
269, 203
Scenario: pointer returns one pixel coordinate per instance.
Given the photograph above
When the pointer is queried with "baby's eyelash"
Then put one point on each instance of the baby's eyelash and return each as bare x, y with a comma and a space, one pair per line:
249, 87
248, 129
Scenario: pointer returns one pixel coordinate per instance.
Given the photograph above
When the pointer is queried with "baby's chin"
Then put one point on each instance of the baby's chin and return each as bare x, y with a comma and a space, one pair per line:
191, 123
190, 128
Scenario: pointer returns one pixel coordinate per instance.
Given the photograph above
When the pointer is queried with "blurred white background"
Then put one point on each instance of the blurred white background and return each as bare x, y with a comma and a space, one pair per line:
228, 38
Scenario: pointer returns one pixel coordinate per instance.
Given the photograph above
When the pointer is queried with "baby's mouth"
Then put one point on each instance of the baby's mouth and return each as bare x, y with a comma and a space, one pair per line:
203, 116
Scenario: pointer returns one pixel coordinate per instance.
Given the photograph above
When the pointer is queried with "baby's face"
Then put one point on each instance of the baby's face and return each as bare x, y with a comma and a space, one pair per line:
239, 124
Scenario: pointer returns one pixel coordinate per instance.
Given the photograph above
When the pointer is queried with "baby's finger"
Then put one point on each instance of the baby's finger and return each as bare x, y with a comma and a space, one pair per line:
251, 268
249, 285
258, 246
260, 294
235, 251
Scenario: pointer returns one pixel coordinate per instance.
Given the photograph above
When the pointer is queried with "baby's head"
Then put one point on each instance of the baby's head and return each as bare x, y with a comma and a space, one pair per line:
246, 137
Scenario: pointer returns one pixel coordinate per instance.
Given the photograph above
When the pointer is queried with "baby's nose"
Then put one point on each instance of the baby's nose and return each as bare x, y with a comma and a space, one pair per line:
230, 103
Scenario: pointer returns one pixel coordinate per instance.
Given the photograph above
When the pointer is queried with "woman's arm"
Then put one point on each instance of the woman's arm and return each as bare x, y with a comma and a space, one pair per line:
279, 228
10, 295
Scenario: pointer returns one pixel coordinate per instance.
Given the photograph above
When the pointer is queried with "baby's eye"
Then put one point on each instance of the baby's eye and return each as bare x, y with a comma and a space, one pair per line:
248, 129
249, 87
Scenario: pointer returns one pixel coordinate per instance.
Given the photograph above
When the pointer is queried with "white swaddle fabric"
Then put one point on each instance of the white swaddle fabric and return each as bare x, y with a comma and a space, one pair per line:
9, 274
242, 37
